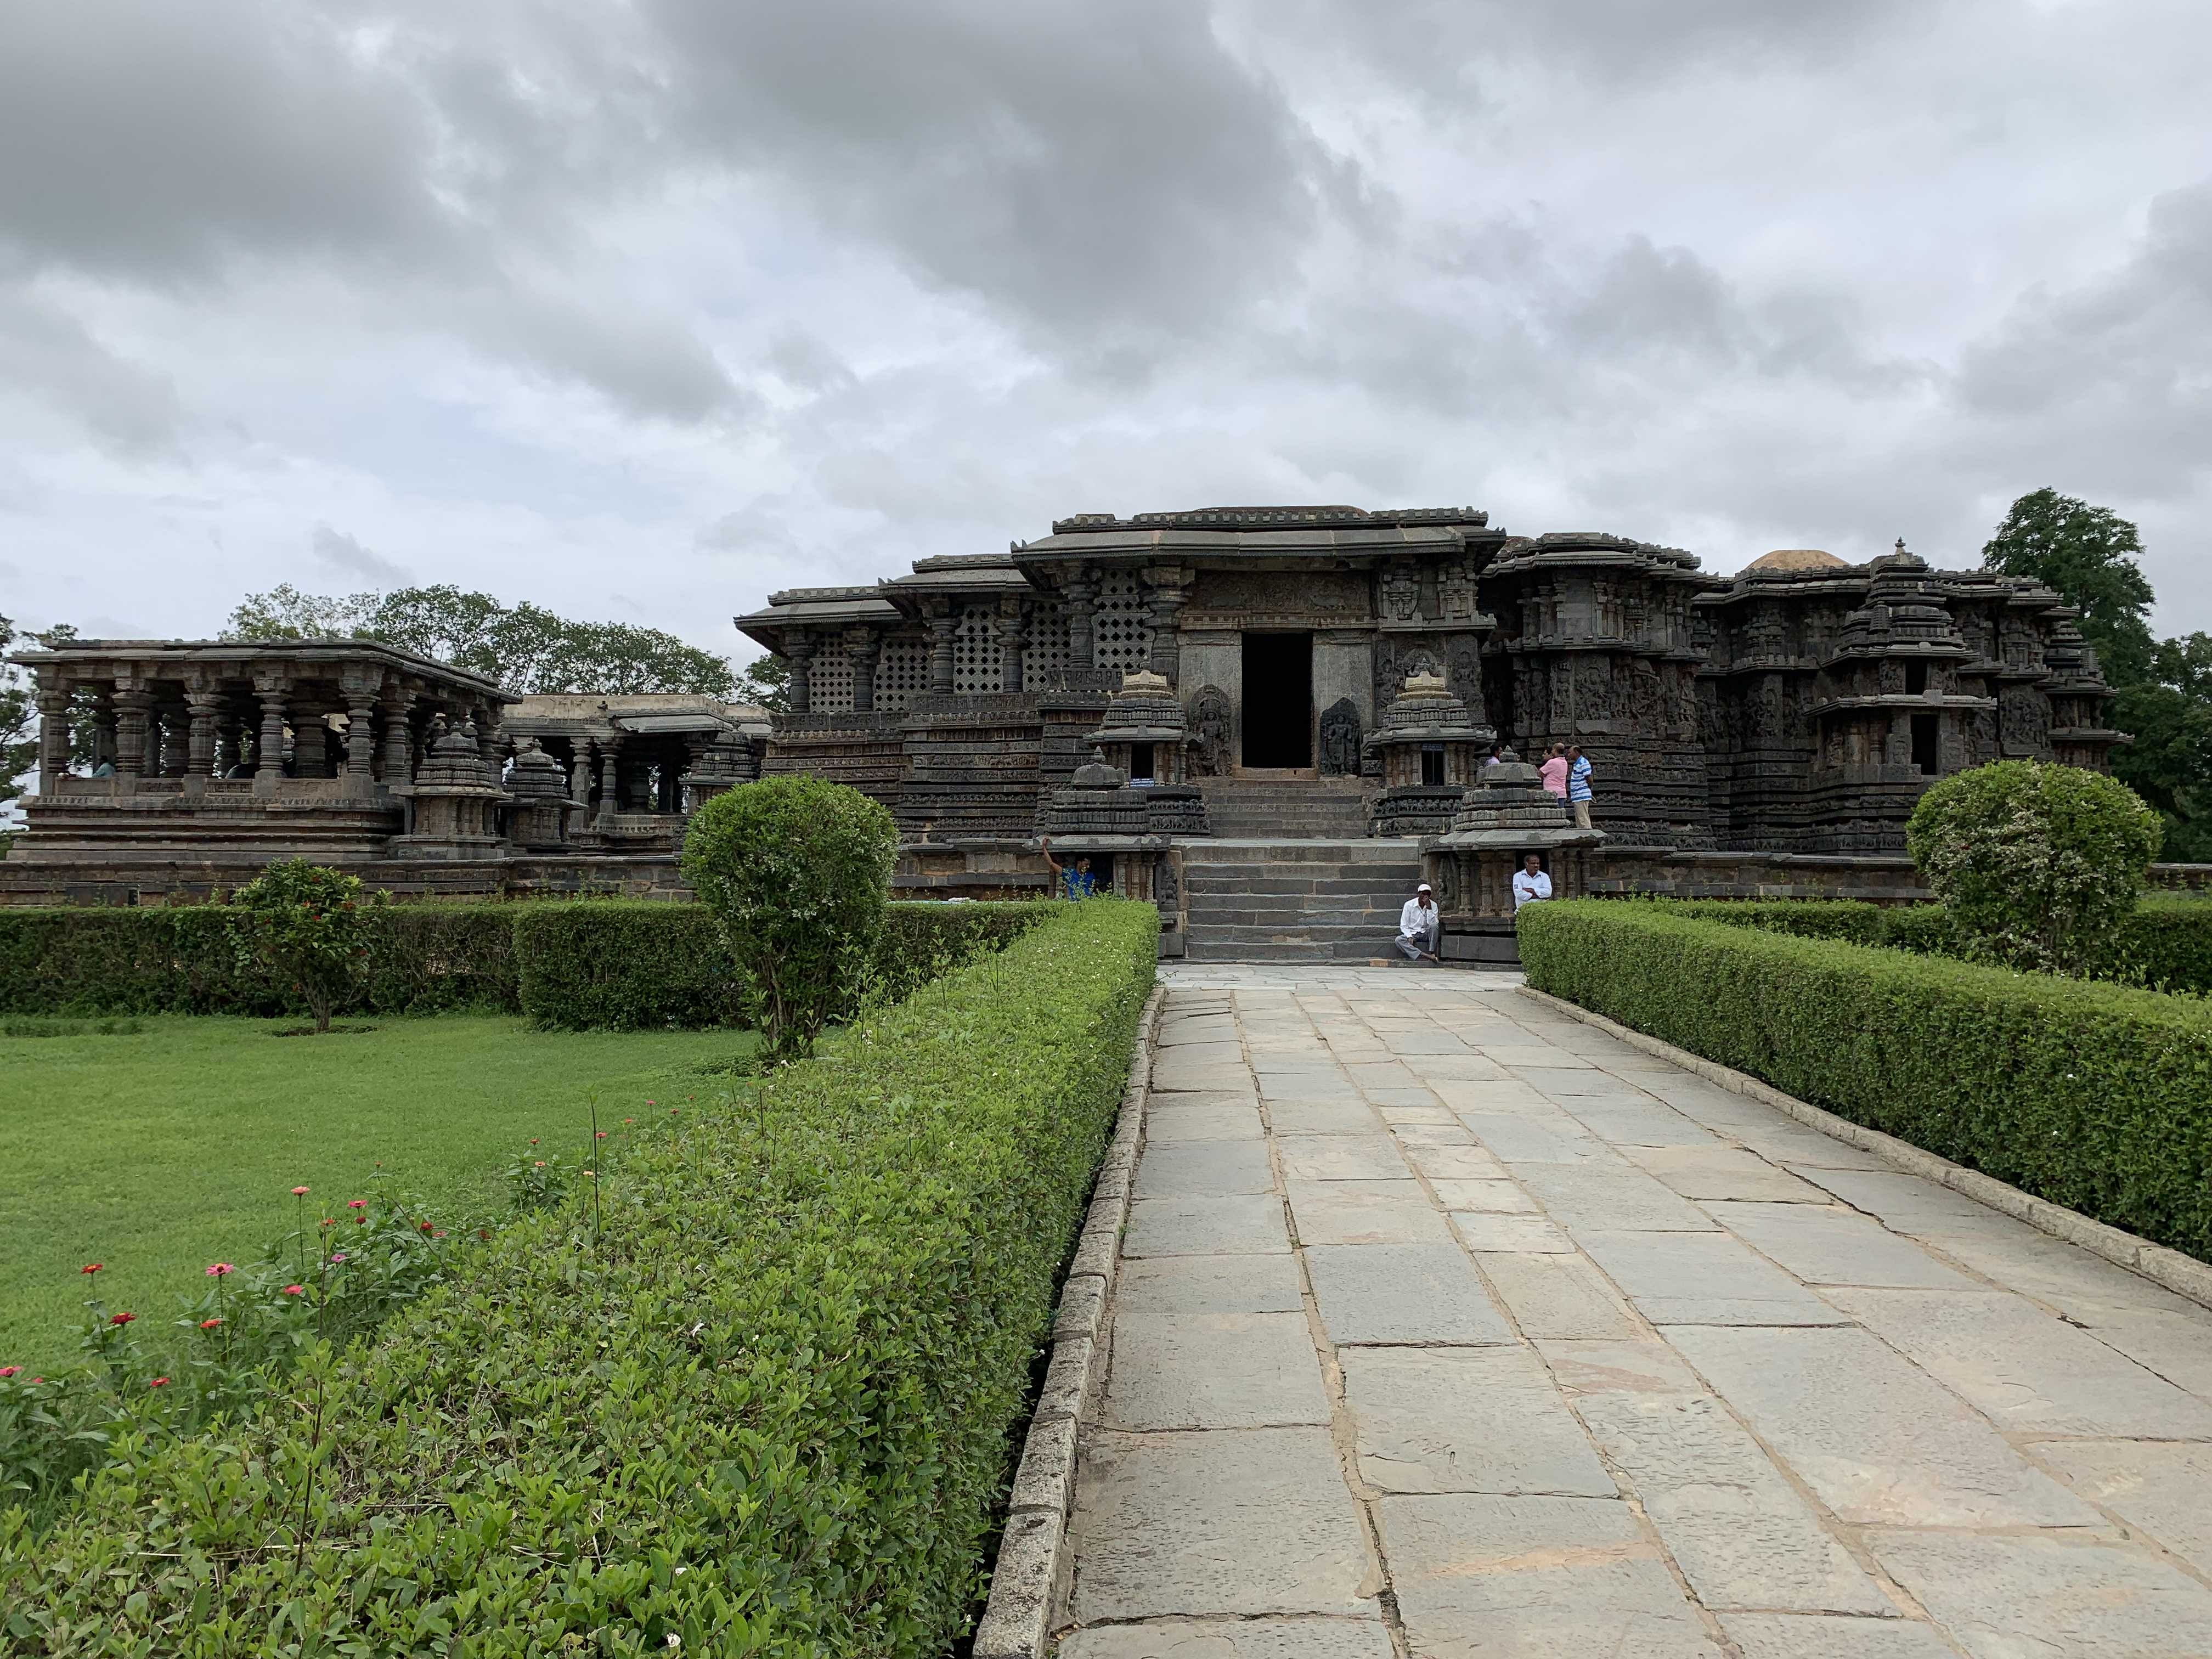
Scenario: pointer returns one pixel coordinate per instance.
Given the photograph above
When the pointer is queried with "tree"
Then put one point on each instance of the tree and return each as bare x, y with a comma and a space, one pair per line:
307, 927
524, 647
19, 739
766, 680
2089, 554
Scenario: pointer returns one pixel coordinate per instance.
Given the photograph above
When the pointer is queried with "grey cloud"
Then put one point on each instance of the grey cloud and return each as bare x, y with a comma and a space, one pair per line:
650, 365
345, 555
801, 360
128, 409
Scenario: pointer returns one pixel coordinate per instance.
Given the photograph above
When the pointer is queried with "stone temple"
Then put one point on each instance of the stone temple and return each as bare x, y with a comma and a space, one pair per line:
1270, 720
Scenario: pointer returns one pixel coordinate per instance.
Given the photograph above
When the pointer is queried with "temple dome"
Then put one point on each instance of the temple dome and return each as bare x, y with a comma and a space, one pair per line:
1797, 558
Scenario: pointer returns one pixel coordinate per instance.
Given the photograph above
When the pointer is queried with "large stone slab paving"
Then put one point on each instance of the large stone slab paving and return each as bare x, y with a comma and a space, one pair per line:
1171, 1288
1506, 1095
2029, 1373
2165, 1489
1233, 1638
1465, 1420
1803, 1635
1466, 1067
1506, 1233
1166, 1125
1703, 1279
1456, 1162
1736, 1528
1876, 1440
1613, 1196
1713, 1170
1402, 1293
1238, 1225
1256, 1522
1373, 1156
1204, 1168
1830, 1245
1556, 1296
1534, 1578
1517, 1140
1499, 1197
2177, 1347
1637, 1366
1648, 1125
1181, 1030
1214, 1371
1365, 1213
2017, 1257
1348, 1117
2005, 1597
1904, 1203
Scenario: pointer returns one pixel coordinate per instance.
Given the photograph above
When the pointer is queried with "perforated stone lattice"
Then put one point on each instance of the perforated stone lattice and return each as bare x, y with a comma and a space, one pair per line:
978, 659
831, 685
1046, 656
1123, 632
902, 673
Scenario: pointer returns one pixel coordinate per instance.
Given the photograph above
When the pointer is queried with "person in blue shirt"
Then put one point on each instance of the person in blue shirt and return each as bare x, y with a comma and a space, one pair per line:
1076, 883
1578, 786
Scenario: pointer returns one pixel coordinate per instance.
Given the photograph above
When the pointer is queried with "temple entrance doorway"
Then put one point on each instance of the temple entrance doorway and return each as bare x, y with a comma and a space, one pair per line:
1277, 700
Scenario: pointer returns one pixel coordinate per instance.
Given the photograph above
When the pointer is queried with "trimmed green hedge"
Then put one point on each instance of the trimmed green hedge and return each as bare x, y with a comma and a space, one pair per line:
2166, 945
2094, 1096
761, 1396
575, 964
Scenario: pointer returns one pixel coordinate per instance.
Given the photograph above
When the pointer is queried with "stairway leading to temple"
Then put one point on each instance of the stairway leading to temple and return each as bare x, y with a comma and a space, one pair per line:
1285, 900
1285, 808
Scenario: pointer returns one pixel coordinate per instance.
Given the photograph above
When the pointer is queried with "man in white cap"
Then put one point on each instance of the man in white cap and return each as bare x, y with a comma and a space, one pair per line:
1421, 928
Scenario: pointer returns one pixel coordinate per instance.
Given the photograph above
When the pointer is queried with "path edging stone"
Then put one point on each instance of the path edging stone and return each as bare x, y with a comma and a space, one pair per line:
1026, 1578
2184, 1275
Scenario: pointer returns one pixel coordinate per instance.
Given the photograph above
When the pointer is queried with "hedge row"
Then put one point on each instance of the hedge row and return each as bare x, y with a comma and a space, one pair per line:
759, 1397
2094, 1096
575, 964
2167, 946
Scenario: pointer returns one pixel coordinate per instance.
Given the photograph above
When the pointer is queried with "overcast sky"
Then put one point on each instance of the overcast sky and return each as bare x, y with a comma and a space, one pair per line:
642, 311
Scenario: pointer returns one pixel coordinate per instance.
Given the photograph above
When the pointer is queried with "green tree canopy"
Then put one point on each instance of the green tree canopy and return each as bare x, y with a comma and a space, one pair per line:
19, 741
2089, 554
526, 647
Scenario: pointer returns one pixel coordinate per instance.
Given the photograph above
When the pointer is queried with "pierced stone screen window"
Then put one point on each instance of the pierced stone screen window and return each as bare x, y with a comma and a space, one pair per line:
902, 673
832, 683
1045, 658
1123, 632
978, 659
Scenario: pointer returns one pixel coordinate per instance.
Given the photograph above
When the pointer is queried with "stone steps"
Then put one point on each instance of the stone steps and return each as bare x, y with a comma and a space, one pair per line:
1287, 808
1279, 899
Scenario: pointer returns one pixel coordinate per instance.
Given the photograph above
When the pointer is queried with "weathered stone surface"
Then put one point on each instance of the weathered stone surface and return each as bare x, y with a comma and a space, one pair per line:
1343, 1158
1454, 1163
1612, 1196
1829, 1245
1498, 1197
1703, 1279
2027, 1371
1536, 1057
1556, 1296
1194, 1065
1782, 1139
1171, 1288
1348, 1117
1432, 1134
2163, 1489
1634, 1367
1502, 1094
1465, 1420
1646, 1124
1410, 1106
2003, 1597
1365, 1213
1232, 1639
1531, 1140
1214, 1372
2176, 1345
1735, 1527
1558, 1577
1312, 1088
1876, 1440
1408, 1293
1167, 1125
2080, 1285
1510, 1234
1205, 1168
1243, 1224
1809, 1636
1728, 1172
1464, 1067
1181, 1030
1904, 1203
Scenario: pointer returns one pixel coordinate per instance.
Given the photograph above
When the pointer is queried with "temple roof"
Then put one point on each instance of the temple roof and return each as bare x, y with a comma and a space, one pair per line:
1797, 558
1254, 533
311, 659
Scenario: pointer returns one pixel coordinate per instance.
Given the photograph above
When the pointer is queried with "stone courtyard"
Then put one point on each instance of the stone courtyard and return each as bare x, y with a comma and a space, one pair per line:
1446, 1324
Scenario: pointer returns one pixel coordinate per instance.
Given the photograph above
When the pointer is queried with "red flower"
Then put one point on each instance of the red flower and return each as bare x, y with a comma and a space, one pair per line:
533, 1141
356, 1204
10, 1371
426, 1226
299, 1192
121, 1319
219, 1269
329, 1221
296, 1290
632, 1120
361, 1221
210, 1324
338, 1255
159, 1383
92, 1266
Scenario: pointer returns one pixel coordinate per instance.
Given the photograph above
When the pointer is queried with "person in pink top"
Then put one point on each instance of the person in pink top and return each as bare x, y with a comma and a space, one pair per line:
1553, 771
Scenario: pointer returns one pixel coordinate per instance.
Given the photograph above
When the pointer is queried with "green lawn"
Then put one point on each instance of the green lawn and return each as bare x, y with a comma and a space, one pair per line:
158, 1153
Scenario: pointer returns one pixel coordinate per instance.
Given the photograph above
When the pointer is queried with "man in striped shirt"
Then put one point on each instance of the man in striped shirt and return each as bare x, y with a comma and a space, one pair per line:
1578, 786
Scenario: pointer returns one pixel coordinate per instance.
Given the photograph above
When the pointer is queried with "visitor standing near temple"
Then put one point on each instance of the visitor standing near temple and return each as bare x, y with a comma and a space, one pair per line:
1420, 927
1531, 883
1553, 771
1075, 882
1578, 786
1496, 754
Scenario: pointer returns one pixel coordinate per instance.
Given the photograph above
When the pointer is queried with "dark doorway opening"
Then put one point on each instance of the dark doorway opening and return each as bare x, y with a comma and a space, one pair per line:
1279, 700
1140, 762
1916, 678
1433, 764
1923, 744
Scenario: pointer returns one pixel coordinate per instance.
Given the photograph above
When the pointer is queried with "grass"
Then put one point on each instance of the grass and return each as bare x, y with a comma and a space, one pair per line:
158, 1151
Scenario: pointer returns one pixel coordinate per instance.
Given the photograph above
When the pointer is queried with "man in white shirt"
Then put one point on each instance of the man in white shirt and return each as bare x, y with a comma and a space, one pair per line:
1531, 883
1420, 927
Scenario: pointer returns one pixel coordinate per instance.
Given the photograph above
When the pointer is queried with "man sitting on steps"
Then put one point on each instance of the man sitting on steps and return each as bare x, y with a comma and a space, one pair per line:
1421, 928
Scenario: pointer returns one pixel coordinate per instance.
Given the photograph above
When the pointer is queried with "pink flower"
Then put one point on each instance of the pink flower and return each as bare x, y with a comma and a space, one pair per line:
356, 1204
121, 1319
299, 1192
217, 1270
210, 1324
649, 1102
599, 1134
159, 1383
296, 1290
440, 1233
92, 1266
537, 1163
338, 1255
10, 1371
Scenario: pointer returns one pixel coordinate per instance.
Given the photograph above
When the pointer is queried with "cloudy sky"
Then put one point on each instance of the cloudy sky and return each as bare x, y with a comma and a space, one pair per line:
642, 310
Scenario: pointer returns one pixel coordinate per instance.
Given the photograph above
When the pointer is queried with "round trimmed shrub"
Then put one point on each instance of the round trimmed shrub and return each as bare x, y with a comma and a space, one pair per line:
306, 926
797, 871
2041, 867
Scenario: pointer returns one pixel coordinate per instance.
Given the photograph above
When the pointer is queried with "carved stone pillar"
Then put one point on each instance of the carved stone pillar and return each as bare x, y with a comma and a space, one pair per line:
1169, 598
1013, 641
944, 624
1079, 591
579, 771
174, 720
133, 711
204, 707
53, 734
273, 693
863, 646
610, 777
227, 734
799, 652
398, 737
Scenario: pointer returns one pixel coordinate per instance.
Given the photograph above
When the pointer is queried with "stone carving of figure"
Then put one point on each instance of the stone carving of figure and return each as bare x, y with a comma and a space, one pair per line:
1209, 719
1339, 739
1165, 893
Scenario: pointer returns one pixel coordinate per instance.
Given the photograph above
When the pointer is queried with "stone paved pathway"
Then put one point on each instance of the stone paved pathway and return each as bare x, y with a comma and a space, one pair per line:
1446, 1325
